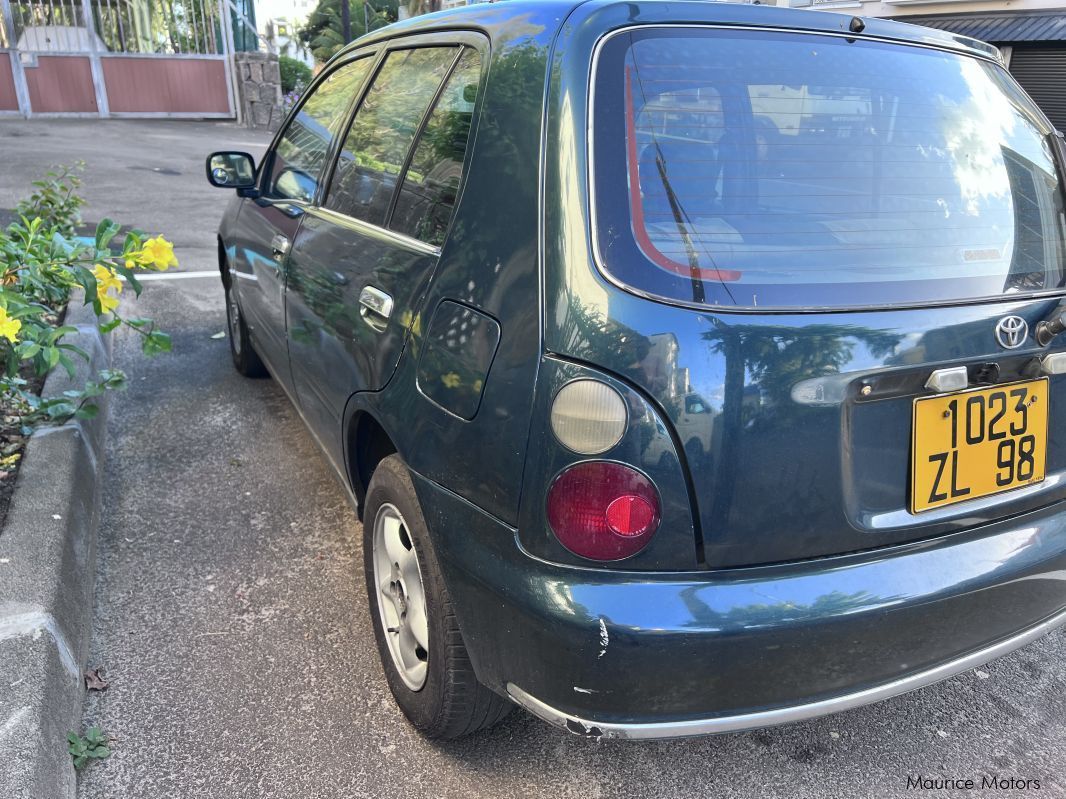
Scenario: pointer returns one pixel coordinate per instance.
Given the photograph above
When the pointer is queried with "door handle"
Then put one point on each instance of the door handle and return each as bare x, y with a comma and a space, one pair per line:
279, 246
375, 307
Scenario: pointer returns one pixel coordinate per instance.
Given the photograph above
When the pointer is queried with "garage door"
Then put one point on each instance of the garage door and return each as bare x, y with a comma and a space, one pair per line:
1042, 72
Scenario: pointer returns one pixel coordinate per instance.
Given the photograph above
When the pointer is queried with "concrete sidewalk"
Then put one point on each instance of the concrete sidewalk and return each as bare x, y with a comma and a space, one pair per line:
231, 612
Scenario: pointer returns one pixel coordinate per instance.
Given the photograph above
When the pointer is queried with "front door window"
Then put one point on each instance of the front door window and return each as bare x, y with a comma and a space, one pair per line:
296, 165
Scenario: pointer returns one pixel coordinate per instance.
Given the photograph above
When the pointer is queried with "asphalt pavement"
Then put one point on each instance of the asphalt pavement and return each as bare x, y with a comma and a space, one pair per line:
230, 610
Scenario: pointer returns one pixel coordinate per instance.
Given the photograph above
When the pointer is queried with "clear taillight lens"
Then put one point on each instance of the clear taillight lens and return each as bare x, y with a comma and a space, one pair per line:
602, 510
588, 417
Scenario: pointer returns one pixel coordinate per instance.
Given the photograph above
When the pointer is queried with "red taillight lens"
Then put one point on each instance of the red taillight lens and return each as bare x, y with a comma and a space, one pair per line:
603, 511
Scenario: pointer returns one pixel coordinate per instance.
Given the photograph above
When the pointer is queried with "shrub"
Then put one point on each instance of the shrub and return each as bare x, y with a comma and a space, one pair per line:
55, 199
44, 266
295, 74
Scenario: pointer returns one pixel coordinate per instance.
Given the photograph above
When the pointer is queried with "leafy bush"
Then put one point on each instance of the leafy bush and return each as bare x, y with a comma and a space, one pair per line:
55, 199
295, 74
43, 267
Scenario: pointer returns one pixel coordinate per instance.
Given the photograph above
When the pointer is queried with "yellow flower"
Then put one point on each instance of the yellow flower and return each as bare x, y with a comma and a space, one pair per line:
9, 327
107, 302
157, 253
106, 279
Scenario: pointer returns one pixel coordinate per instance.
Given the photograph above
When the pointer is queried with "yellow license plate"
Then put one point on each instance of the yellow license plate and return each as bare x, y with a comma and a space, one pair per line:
978, 442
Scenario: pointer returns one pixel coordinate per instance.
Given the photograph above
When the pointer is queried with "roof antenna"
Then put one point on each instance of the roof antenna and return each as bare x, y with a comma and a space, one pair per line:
857, 25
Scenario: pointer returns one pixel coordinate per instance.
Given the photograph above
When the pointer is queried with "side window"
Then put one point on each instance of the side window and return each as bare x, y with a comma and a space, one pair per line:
384, 127
427, 196
301, 152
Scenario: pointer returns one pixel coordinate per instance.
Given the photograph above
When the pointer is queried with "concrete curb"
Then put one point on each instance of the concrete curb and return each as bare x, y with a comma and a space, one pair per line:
47, 571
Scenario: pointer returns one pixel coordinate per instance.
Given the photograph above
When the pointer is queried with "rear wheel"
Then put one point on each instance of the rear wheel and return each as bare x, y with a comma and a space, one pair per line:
245, 359
421, 648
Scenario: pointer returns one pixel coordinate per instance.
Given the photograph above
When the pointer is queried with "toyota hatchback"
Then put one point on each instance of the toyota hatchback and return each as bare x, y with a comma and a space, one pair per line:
694, 367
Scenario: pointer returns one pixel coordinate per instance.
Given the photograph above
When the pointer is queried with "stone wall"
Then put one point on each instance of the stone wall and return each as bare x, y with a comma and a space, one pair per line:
259, 90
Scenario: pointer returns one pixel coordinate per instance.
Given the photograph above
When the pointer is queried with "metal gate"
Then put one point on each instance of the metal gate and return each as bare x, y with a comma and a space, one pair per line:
143, 58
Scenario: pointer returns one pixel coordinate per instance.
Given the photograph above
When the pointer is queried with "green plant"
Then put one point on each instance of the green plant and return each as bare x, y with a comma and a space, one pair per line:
295, 74
91, 746
42, 267
55, 200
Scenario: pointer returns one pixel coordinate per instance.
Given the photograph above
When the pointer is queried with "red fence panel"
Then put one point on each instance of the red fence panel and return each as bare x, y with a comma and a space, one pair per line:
9, 101
61, 83
166, 85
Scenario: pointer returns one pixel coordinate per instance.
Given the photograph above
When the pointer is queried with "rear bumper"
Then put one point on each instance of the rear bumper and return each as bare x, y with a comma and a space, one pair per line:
619, 654
781, 715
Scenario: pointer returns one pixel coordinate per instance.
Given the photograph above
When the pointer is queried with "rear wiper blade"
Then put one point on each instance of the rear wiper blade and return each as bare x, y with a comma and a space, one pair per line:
679, 219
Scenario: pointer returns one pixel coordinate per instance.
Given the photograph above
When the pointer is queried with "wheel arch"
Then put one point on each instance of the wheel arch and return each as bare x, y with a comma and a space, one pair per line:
366, 444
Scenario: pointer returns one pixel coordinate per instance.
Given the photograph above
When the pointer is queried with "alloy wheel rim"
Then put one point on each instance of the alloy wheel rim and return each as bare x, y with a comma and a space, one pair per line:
233, 316
401, 596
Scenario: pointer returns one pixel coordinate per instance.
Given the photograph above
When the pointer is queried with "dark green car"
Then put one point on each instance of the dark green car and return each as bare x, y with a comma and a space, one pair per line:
694, 366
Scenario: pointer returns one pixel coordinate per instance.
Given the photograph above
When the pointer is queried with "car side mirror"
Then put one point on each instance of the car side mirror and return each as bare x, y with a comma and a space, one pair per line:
231, 170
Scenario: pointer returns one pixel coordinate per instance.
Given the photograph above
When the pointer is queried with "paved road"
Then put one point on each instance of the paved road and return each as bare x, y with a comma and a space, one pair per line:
230, 607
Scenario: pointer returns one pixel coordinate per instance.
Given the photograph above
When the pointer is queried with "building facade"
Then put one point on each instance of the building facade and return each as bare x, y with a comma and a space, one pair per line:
1030, 33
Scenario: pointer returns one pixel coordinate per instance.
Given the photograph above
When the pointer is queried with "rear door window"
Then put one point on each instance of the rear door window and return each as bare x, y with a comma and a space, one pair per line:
428, 193
383, 130
764, 169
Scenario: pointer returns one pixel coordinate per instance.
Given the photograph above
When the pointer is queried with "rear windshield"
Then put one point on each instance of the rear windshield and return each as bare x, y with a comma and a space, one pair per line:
756, 169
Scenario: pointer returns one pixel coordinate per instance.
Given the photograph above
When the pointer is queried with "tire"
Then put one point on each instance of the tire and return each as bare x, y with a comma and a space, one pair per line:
436, 687
245, 359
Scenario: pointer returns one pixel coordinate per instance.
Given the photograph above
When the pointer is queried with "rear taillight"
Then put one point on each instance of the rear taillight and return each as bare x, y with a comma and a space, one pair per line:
602, 510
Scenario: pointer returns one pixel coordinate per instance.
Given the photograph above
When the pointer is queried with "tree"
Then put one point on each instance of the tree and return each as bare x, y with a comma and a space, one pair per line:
323, 32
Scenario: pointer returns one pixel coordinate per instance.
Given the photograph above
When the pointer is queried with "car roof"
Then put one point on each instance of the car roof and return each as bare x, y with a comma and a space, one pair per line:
550, 15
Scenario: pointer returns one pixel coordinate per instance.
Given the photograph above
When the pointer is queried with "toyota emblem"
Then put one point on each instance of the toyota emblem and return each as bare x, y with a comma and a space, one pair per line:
1011, 332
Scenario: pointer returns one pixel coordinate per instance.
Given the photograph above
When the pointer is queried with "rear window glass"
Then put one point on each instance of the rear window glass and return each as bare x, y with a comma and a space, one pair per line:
758, 169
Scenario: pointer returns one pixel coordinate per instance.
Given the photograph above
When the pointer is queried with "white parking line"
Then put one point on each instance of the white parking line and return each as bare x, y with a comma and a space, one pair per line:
178, 275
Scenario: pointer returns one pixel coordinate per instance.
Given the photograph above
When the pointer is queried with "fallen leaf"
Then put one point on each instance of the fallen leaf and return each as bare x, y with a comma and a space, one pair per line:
94, 680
